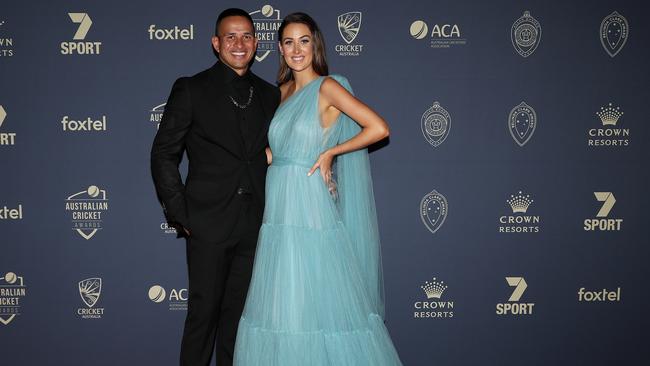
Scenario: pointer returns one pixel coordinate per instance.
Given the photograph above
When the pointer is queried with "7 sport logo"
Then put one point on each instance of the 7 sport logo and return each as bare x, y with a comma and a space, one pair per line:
79, 47
513, 306
602, 222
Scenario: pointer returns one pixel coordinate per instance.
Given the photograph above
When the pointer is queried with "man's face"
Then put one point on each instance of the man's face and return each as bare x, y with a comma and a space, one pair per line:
235, 43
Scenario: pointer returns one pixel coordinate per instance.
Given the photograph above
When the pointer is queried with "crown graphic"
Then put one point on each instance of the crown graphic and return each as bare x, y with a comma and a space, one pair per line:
434, 289
609, 115
519, 203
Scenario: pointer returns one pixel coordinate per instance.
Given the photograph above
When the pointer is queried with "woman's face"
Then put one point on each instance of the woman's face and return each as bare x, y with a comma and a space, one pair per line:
297, 47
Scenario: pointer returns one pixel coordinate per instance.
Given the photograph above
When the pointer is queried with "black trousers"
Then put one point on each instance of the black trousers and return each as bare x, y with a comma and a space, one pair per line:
219, 275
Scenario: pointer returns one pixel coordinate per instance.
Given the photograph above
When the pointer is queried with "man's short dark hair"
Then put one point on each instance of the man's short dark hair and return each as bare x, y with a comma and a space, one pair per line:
232, 12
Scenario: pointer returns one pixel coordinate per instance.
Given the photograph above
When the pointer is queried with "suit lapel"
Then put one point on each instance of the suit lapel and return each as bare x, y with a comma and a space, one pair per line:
229, 134
267, 109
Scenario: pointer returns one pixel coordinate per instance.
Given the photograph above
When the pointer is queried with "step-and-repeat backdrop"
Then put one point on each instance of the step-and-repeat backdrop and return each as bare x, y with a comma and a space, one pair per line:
512, 194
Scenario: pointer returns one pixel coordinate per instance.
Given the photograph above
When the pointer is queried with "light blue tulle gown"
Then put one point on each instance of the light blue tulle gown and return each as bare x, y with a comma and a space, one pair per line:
315, 298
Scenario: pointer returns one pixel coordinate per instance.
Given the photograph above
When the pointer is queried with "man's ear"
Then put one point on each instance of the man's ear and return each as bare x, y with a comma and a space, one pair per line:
215, 43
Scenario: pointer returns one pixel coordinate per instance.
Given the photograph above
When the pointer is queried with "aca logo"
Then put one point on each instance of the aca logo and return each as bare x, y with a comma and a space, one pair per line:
349, 25
601, 295
90, 290
614, 31
609, 134
177, 299
6, 44
80, 46
433, 210
7, 213
86, 209
267, 21
171, 34
514, 306
602, 222
522, 122
433, 307
525, 34
12, 292
519, 222
444, 35
88, 125
6, 138
435, 124
156, 114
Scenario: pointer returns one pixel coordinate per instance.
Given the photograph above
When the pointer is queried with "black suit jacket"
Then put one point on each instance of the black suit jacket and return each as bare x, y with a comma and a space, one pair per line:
200, 119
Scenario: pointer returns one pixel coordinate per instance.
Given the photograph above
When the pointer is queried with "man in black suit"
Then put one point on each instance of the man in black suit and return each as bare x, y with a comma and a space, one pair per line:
220, 117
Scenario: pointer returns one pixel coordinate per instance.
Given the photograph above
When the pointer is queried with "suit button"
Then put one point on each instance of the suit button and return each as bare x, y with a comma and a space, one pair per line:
240, 191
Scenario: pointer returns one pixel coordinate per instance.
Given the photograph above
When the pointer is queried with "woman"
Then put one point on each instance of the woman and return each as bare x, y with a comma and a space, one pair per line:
316, 293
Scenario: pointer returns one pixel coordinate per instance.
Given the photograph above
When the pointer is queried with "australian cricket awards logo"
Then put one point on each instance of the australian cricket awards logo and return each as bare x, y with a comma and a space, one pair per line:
81, 46
525, 34
177, 299
6, 43
614, 31
349, 25
519, 221
267, 22
514, 306
435, 124
443, 35
12, 292
608, 134
433, 306
433, 210
90, 290
6, 138
87, 208
602, 221
522, 122
156, 113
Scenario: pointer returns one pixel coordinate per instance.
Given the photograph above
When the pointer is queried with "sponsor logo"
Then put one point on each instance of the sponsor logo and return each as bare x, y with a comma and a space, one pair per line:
6, 43
525, 34
602, 222
90, 290
514, 306
444, 35
267, 22
6, 138
12, 292
171, 34
609, 134
614, 31
433, 210
156, 114
349, 25
80, 46
7, 213
601, 295
164, 227
88, 124
435, 124
433, 306
177, 299
519, 222
86, 209
522, 122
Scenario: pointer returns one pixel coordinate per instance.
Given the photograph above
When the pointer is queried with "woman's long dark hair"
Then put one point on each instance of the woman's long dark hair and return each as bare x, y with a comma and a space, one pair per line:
319, 62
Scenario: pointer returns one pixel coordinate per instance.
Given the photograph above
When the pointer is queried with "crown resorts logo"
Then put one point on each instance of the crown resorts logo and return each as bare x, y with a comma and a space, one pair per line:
87, 209
12, 291
90, 290
614, 31
267, 22
156, 114
433, 307
86, 125
78, 47
444, 35
435, 124
601, 222
519, 222
522, 122
513, 306
177, 299
6, 44
170, 34
525, 34
349, 25
601, 295
609, 134
6, 138
433, 210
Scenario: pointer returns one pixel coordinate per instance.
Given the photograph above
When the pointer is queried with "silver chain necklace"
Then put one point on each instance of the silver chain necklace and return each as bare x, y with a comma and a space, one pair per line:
243, 106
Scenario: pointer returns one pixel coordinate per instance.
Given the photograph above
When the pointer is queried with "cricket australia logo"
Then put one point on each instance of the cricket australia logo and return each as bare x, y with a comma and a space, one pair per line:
435, 124
522, 122
267, 22
526, 34
614, 31
433, 210
90, 289
349, 25
87, 208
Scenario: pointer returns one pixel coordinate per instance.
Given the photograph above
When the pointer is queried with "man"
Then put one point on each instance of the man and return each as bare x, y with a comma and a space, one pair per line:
220, 117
